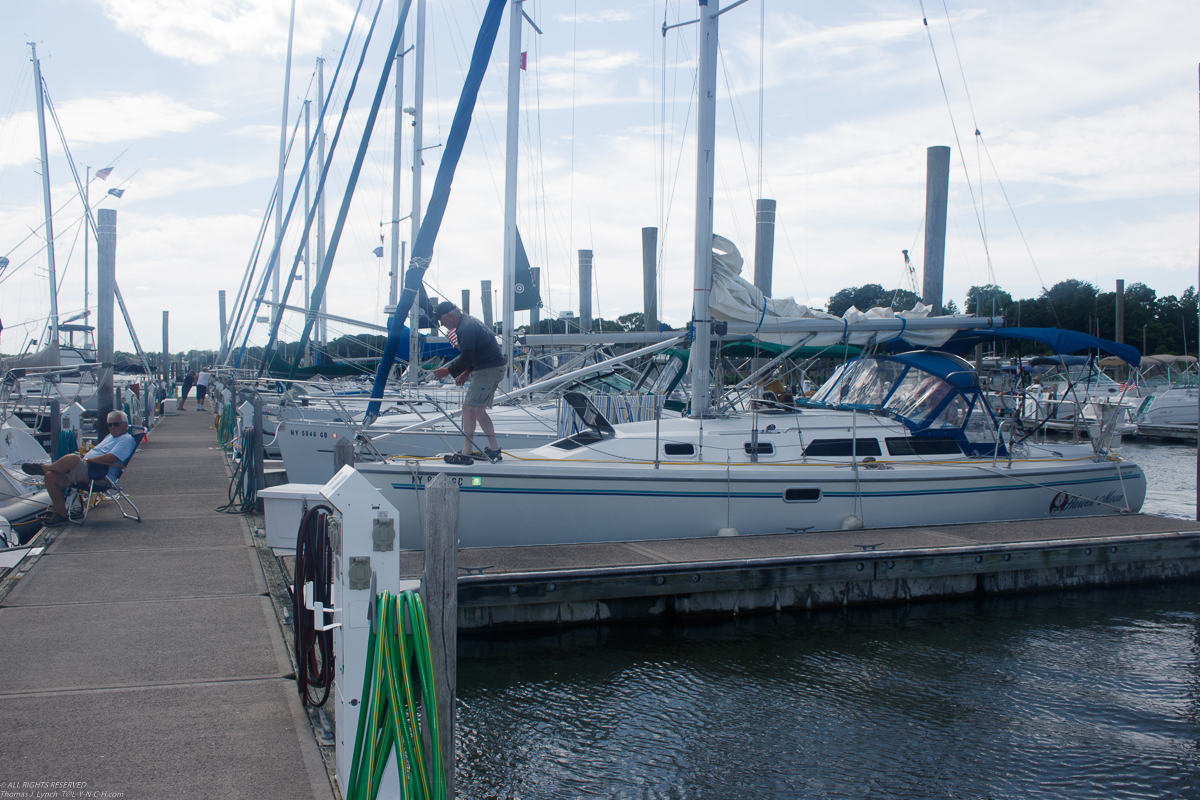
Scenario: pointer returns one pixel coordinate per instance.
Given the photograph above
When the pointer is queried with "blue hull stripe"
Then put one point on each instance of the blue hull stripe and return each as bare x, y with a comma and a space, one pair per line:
768, 495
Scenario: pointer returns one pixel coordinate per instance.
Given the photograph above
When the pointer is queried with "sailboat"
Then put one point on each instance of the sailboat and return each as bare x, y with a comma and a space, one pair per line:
893, 440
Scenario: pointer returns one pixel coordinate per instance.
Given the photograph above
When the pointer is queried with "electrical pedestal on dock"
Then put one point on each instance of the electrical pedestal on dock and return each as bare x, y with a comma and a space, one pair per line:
366, 558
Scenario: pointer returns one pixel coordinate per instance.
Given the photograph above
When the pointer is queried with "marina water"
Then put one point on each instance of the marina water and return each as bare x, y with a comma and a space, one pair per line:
1080, 694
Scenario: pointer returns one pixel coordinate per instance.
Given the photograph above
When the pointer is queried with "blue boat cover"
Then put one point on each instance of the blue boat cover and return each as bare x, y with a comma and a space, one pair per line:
939, 364
1056, 339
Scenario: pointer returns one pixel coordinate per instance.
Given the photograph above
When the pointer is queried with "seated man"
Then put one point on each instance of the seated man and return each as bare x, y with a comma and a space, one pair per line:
72, 468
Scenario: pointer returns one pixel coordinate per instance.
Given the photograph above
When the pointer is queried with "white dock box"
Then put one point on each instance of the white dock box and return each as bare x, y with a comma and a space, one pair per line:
169, 406
284, 507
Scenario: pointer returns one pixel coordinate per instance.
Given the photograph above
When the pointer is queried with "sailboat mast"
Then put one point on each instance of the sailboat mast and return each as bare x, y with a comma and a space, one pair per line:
87, 211
705, 179
287, 81
324, 333
41, 117
414, 314
515, 10
307, 205
398, 136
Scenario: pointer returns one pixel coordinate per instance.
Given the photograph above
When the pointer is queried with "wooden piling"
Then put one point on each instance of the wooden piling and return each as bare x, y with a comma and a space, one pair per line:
937, 188
441, 608
650, 278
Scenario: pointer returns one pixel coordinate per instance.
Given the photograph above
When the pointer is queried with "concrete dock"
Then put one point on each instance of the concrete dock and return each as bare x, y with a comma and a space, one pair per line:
150, 660
146, 660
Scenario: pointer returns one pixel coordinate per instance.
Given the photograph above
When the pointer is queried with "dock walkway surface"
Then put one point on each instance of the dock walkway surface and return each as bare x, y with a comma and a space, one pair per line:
145, 660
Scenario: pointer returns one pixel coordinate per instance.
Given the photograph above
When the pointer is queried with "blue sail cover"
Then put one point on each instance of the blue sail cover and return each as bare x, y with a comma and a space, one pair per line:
422, 250
1056, 339
428, 349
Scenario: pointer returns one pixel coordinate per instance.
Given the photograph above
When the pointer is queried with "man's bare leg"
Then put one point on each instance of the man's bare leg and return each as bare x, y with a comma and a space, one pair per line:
485, 422
468, 429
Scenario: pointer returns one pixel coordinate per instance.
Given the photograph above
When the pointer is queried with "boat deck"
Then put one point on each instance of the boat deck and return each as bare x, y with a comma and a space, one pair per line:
145, 660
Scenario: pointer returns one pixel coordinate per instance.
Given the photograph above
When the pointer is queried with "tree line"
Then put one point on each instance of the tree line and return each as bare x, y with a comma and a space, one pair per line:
1153, 324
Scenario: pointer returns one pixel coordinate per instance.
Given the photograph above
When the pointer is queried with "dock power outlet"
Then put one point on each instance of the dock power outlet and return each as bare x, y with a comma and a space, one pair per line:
366, 560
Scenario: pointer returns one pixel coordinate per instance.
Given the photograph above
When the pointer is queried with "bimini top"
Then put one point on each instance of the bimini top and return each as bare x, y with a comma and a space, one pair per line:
933, 394
1056, 339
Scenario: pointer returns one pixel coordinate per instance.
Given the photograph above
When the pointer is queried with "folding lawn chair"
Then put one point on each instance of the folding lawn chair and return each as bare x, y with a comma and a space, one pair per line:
99, 482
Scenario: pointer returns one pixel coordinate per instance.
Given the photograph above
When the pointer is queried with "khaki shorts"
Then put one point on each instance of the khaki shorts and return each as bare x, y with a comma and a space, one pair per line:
482, 390
79, 474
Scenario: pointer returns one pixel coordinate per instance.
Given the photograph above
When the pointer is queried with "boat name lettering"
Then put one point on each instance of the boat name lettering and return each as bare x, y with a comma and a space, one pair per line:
1065, 502
313, 434
455, 479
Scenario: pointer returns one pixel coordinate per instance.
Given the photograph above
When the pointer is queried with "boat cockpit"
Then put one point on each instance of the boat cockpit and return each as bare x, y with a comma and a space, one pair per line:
932, 394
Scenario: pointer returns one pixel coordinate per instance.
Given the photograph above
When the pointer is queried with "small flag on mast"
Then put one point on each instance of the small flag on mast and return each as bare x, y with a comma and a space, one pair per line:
103, 174
523, 59
115, 192
378, 251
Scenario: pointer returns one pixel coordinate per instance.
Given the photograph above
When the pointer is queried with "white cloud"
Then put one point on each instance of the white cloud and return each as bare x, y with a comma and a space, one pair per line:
205, 32
611, 15
103, 120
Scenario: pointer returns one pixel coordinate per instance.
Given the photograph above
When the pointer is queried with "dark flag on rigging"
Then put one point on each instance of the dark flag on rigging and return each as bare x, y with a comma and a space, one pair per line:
525, 289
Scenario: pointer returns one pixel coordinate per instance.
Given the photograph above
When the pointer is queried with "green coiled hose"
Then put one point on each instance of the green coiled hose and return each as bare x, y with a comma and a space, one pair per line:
389, 718
225, 427
65, 444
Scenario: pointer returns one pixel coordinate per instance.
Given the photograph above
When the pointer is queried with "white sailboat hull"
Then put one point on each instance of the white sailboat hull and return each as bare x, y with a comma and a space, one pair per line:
514, 503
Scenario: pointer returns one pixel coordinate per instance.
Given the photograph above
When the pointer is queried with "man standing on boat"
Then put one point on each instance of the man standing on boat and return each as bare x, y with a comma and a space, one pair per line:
482, 362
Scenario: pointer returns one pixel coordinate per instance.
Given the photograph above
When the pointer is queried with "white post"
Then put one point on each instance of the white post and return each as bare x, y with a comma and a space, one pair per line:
41, 117
287, 82
395, 226
87, 214
705, 179
321, 198
515, 10
414, 315
307, 206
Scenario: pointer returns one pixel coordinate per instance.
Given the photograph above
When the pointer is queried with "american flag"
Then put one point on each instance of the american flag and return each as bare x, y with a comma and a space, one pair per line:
453, 336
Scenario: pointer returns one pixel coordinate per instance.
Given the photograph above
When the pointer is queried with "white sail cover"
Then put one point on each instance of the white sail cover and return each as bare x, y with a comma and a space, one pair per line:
736, 299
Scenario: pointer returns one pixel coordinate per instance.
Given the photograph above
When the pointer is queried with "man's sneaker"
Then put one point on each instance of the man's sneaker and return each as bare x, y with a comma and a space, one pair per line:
494, 455
32, 469
461, 459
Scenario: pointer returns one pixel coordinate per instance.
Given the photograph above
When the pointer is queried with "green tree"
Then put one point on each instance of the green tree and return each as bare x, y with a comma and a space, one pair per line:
870, 296
987, 300
633, 322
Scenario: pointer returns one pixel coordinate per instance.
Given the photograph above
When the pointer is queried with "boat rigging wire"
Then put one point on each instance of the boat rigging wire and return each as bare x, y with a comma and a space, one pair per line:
958, 141
335, 237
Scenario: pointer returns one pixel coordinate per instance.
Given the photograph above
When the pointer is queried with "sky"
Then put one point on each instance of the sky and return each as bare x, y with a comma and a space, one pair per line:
1085, 165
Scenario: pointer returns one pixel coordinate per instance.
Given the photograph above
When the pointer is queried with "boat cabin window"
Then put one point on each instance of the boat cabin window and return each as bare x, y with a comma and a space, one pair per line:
763, 448
679, 449
658, 375
922, 446
863, 382
578, 440
801, 494
843, 447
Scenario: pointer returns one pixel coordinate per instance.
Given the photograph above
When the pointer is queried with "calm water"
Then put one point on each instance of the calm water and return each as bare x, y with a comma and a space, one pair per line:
1091, 694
